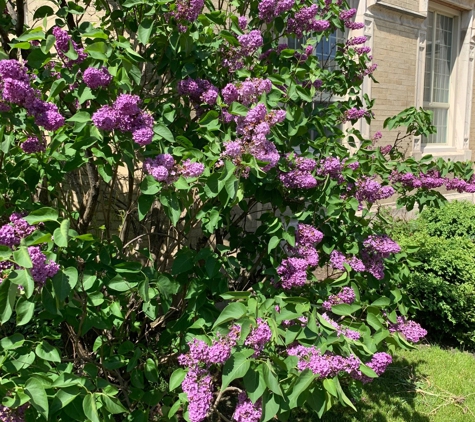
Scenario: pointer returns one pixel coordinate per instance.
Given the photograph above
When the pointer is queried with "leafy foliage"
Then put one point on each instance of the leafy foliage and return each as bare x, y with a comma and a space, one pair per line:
183, 221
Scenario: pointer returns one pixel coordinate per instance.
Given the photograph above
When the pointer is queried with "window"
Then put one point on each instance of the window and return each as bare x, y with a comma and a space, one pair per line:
439, 65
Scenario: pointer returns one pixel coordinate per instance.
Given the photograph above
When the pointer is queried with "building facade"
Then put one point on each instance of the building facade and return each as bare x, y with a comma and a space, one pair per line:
425, 53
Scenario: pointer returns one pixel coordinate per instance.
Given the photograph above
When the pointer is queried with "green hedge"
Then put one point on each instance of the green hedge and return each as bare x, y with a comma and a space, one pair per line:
444, 281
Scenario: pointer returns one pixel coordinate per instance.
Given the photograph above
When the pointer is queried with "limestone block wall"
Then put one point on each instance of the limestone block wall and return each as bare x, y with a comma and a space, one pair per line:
394, 51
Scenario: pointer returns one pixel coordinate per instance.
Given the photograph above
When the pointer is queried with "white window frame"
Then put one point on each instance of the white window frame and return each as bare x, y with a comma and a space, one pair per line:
460, 88
440, 10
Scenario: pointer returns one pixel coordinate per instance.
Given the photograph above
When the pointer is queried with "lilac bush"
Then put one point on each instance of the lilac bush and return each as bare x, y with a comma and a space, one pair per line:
184, 233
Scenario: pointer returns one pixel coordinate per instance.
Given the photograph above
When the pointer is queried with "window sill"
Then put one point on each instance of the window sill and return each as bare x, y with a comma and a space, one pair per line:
444, 151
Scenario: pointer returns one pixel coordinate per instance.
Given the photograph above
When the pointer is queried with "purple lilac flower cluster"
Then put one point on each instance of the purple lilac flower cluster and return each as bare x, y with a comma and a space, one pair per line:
96, 78
253, 129
376, 248
432, 179
332, 167
293, 271
246, 92
42, 268
164, 168
249, 44
379, 362
15, 88
187, 11
409, 329
32, 145
354, 114
305, 20
12, 415
246, 411
63, 42
197, 383
300, 176
346, 295
369, 190
12, 233
259, 337
270, 9
346, 332
199, 90
346, 17
126, 116
326, 365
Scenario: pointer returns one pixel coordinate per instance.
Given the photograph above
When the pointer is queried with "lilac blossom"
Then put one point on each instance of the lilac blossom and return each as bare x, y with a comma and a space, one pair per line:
305, 20
191, 169
63, 41
42, 268
242, 22
246, 411
12, 415
96, 78
32, 145
411, 330
259, 336
346, 295
326, 365
293, 272
187, 10
270, 9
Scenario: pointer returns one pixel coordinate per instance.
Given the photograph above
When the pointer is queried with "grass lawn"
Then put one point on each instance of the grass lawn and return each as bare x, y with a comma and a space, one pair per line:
429, 384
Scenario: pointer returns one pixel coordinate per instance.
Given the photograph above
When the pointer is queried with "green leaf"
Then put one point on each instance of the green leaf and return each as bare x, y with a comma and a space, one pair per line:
330, 386
184, 261
43, 12
150, 186
172, 206
176, 378
145, 30
38, 398
64, 281
233, 311
164, 132
144, 205
271, 380
5, 253
97, 50
235, 295
236, 367
270, 406
304, 381
63, 397
381, 302
22, 257
23, 278
238, 109
254, 383
80, 117
57, 87
8, 292
151, 370
45, 351
61, 234
42, 215
12, 342
113, 405
345, 309
273, 243
90, 409
24, 311
373, 320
